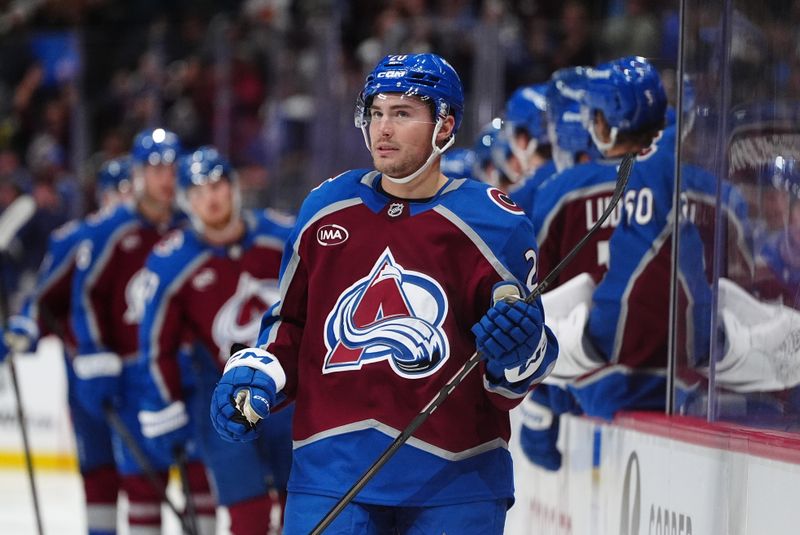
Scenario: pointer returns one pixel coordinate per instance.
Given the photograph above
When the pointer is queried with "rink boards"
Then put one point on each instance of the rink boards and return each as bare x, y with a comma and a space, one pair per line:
44, 401
646, 474
643, 474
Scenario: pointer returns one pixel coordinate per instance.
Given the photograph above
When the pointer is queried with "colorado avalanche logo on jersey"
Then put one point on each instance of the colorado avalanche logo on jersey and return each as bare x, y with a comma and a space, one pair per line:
392, 314
239, 318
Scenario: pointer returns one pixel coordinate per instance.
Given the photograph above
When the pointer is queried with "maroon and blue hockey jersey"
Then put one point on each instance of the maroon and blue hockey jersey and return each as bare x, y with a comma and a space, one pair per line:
108, 287
378, 296
212, 295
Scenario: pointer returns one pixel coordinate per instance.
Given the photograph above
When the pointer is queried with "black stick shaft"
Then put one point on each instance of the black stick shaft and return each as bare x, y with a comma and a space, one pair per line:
182, 461
26, 447
158, 484
622, 180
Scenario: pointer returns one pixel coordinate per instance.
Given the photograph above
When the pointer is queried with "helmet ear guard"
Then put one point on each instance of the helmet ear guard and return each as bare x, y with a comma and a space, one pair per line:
629, 93
526, 111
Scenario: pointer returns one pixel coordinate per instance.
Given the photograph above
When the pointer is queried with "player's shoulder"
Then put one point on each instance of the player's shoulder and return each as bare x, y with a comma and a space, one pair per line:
270, 223
174, 252
573, 180
68, 233
661, 149
485, 207
486, 197
326, 196
98, 233
104, 222
343, 184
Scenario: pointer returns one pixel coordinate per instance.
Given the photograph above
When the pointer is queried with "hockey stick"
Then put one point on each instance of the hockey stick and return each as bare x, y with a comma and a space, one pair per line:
622, 180
12, 219
115, 421
181, 462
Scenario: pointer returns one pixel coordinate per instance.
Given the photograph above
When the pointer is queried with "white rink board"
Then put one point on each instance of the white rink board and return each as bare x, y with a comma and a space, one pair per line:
43, 387
683, 488
673, 487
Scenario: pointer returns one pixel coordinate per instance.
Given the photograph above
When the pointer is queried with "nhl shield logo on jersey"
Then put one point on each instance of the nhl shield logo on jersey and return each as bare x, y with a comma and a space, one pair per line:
395, 209
392, 314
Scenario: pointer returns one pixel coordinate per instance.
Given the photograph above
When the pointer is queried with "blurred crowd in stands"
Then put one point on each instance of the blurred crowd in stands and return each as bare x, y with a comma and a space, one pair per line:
269, 81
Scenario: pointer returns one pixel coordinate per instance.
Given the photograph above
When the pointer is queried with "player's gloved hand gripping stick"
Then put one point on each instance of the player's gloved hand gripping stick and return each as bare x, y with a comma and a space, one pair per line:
250, 411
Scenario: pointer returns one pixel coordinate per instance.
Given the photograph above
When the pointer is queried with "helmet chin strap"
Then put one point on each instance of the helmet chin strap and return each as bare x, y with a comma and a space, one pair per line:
601, 145
435, 153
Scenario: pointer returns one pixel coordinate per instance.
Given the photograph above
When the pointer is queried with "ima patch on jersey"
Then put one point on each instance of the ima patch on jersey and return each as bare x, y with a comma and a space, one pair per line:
392, 314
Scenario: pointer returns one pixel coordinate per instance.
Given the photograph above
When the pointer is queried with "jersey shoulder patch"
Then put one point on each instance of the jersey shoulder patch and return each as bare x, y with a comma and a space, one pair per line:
505, 202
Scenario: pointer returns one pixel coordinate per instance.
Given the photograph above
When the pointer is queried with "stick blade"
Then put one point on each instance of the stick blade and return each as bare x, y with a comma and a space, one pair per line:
14, 218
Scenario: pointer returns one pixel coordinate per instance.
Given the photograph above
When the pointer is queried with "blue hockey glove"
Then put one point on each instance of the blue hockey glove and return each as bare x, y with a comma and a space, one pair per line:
511, 336
21, 336
165, 430
539, 435
245, 394
98, 381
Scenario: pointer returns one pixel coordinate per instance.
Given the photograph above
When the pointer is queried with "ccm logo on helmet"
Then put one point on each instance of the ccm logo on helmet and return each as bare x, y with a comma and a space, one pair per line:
332, 235
391, 74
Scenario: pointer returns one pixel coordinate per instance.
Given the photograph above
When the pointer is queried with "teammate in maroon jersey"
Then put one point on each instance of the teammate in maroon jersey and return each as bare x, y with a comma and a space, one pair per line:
213, 282
107, 303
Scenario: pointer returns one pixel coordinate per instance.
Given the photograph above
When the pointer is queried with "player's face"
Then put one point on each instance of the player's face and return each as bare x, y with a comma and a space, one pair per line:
212, 203
400, 130
159, 182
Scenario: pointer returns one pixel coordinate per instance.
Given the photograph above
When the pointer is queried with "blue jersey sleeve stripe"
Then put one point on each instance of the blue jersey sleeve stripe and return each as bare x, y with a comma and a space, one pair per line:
480, 244
153, 320
58, 260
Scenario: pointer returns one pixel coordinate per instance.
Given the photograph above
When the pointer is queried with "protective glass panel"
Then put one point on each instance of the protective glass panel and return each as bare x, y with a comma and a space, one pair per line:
736, 341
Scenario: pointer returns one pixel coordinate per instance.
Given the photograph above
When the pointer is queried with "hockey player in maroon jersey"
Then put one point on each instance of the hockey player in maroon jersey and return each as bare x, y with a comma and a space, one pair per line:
624, 104
214, 281
107, 303
386, 277
46, 312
